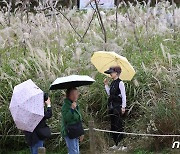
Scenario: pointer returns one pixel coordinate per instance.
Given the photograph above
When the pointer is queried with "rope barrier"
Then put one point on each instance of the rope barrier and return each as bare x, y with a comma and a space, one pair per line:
20, 135
136, 134
108, 131
12, 135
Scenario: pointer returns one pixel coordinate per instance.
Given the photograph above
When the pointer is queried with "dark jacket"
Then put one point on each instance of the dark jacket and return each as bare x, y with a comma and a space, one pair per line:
32, 137
69, 116
114, 99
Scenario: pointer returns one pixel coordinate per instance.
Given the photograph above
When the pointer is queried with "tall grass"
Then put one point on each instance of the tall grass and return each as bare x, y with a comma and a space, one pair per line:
147, 36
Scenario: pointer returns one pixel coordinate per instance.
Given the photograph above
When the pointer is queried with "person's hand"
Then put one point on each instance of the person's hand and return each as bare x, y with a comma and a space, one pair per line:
48, 102
123, 110
81, 138
106, 81
73, 105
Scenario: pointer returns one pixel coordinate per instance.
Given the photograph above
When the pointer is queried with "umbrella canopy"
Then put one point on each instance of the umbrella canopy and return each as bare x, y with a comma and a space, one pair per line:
103, 60
27, 105
71, 81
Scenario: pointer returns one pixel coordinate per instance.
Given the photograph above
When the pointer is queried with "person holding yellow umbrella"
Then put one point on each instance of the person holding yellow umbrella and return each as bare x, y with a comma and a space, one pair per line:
118, 68
116, 104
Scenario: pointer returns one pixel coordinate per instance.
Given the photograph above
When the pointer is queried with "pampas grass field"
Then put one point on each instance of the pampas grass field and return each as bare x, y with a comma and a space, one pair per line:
46, 45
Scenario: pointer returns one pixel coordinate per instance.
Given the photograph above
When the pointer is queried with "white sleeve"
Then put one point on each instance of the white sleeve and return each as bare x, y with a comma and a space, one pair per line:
107, 89
123, 94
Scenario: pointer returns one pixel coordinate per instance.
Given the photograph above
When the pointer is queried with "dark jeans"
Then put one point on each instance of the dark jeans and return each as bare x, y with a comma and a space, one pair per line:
34, 148
117, 124
72, 145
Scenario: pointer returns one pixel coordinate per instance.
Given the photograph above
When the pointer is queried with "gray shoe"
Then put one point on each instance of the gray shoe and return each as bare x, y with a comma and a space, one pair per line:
122, 148
114, 147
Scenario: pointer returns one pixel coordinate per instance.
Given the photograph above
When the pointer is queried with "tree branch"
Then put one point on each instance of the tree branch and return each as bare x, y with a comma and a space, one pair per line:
103, 28
59, 12
88, 26
70, 24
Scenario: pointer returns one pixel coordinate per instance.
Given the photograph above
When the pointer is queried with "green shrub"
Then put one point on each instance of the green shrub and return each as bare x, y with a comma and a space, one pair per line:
151, 44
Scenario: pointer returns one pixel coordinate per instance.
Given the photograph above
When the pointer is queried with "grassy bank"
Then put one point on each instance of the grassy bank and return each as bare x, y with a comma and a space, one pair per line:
48, 47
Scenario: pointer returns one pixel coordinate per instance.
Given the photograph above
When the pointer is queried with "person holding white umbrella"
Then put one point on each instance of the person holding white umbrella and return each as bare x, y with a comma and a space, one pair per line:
36, 138
27, 110
71, 122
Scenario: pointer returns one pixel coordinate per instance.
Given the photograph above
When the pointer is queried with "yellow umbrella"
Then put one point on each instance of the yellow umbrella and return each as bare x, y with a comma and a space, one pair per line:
103, 60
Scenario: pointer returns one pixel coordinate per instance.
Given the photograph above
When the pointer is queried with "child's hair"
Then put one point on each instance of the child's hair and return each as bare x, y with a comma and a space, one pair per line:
69, 90
117, 69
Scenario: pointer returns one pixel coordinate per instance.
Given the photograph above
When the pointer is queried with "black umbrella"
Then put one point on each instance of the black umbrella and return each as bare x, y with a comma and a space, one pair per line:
71, 81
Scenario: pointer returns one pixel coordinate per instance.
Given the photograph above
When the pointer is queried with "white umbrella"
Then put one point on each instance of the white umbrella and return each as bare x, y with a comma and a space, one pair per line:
71, 81
27, 105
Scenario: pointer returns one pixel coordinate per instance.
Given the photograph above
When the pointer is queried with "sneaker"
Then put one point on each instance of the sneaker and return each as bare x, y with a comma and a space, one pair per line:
114, 147
122, 148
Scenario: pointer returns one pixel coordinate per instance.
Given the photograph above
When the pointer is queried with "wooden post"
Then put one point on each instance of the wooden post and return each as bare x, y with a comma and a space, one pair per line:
91, 137
42, 150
